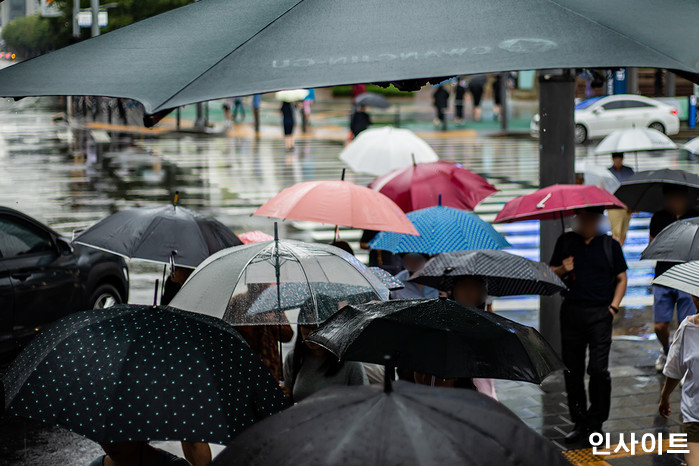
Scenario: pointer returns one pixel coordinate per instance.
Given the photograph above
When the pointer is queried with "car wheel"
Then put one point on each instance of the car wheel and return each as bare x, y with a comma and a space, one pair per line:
104, 296
580, 134
656, 125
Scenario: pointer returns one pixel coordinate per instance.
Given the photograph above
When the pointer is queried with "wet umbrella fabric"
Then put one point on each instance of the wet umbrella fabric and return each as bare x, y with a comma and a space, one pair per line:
643, 191
504, 274
634, 140
422, 185
677, 242
555, 202
379, 151
228, 283
692, 146
371, 99
215, 49
141, 373
165, 235
595, 175
391, 282
438, 337
683, 277
337, 203
412, 424
442, 229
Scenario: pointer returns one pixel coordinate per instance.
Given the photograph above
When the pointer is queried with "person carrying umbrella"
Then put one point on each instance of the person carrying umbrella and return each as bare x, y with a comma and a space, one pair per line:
359, 121
287, 111
620, 218
677, 206
593, 267
413, 262
459, 96
441, 101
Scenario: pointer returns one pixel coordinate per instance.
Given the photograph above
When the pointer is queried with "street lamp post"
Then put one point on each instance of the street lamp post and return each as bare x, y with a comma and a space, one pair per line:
95, 7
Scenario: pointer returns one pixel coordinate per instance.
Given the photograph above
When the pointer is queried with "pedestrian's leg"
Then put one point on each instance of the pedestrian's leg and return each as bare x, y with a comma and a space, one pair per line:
256, 119
573, 347
663, 309
600, 386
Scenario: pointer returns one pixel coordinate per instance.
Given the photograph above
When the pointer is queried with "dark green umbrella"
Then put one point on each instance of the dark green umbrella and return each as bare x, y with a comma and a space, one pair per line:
214, 49
438, 337
140, 373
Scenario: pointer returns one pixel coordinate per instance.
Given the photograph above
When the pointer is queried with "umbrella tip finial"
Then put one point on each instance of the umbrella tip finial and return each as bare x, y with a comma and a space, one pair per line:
342, 177
176, 198
412, 154
387, 375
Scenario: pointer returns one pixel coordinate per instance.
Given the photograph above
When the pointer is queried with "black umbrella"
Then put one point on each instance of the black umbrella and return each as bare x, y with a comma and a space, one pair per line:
677, 242
139, 373
643, 191
438, 337
407, 424
372, 99
215, 49
165, 235
504, 274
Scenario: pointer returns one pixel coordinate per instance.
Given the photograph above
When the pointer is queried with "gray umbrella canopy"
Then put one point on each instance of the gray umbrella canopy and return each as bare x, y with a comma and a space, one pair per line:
372, 99
678, 242
411, 425
683, 277
220, 48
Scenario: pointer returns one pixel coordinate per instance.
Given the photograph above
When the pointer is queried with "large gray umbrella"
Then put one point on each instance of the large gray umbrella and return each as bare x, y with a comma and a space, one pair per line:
677, 242
214, 49
643, 191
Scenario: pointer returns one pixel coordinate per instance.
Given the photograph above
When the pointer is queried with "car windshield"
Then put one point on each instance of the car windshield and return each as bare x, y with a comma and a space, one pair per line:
586, 103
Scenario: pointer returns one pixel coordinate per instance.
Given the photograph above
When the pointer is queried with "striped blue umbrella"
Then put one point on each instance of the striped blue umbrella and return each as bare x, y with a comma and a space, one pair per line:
442, 229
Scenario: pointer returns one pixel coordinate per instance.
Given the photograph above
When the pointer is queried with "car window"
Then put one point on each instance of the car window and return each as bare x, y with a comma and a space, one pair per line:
636, 104
586, 103
18, 238
614, 105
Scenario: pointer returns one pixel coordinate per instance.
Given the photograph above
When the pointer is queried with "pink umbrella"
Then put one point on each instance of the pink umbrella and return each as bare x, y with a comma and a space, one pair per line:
419, 186
557, 201
256, 236
338, 203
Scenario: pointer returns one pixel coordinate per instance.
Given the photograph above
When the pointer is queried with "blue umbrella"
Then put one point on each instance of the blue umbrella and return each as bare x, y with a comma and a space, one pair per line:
442, 229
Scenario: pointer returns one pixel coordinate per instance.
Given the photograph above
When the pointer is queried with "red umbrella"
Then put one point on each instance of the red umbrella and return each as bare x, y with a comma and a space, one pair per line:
557, 201
256, 236
338, 203
419, 186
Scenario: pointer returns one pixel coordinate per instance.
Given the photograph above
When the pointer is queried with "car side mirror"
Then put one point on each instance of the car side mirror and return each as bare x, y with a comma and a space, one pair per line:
64, 247
598, 110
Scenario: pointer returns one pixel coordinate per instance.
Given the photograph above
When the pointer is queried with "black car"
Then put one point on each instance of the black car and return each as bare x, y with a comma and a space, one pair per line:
44, 277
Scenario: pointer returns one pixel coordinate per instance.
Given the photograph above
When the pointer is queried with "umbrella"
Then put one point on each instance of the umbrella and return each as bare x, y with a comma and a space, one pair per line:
643, 191
442, 229
293, 95
371, 99
598, 176
165, 235
678, 242
338, 203
504, 274
399, 425
215, 49
683, 277
254, 237
557, 201
692, 146
420, 185
228, 283
438, 337
391, 282
380, 150
634, 140
142, 373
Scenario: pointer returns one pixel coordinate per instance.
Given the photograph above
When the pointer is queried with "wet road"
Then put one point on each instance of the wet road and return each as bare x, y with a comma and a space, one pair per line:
48, 171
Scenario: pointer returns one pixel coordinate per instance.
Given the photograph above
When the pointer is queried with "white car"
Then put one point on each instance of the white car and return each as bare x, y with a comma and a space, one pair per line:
599, 116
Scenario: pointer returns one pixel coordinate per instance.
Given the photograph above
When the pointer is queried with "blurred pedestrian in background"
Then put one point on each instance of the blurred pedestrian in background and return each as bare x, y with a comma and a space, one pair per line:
619, 219
440, 99
475, 87
287, 111
459, 97
173, 283
238, 107
306, 114
256, 104
413, 263
359, 121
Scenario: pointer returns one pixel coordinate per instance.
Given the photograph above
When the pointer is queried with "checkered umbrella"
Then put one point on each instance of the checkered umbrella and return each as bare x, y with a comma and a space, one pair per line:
504, 274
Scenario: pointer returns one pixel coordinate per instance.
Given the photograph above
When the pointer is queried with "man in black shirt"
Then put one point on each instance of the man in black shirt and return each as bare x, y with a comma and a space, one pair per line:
593, 268
677, 206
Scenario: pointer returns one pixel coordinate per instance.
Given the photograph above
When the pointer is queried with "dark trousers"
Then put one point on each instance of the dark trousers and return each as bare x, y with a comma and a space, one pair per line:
587, 327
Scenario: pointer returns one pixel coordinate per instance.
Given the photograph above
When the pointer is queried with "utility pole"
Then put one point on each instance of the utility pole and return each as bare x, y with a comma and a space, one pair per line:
95, 6
76, 11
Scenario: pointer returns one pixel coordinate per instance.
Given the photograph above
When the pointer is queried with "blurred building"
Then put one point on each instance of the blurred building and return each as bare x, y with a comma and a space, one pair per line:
11, 9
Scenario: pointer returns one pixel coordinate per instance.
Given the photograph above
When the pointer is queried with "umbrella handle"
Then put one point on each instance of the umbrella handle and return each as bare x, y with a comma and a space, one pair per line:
387, 375
155, 295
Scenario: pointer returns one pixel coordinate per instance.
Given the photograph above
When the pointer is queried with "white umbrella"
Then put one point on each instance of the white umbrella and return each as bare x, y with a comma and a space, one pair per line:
293, 95
596, 175
381, 150
634, 140
681, 277
692, 146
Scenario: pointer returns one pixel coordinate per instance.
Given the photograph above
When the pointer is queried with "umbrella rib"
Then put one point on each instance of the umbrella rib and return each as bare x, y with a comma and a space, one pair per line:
162, 106
619, 33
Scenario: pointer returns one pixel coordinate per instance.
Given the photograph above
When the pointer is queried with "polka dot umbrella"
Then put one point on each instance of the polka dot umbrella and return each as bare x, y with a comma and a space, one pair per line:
141, 373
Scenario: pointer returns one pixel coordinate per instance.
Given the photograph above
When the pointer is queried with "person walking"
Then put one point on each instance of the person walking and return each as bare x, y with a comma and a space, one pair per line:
683, 361
459, 96
287, 111
238, 107
306, 114
256, 104
593, 267
475, 87
677, 206
620, 218
413, 263
440, 99
359, 121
